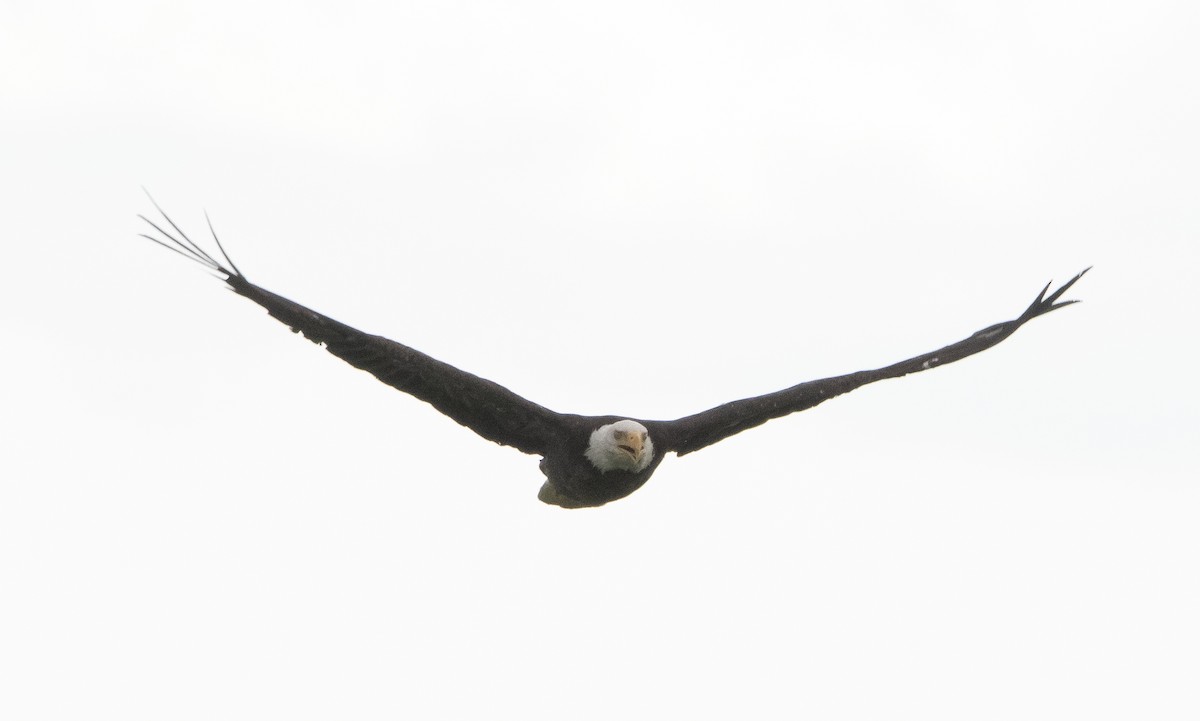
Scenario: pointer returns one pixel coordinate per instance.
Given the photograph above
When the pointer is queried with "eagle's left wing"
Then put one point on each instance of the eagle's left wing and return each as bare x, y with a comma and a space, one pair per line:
694, 432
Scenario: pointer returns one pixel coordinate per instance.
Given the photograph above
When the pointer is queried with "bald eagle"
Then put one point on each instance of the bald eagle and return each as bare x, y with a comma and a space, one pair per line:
587, 460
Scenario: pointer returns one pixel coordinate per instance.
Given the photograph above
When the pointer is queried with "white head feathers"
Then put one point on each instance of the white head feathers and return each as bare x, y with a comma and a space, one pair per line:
620, 446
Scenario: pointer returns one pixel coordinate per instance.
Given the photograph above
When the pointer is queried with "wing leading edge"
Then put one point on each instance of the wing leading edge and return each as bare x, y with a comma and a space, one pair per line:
488, 408
691, 433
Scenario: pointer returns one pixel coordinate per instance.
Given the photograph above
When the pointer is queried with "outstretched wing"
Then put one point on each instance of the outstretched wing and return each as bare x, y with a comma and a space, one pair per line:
487, 408
703, 429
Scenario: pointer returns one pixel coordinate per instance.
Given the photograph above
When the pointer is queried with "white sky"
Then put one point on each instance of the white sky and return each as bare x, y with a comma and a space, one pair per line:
644, 208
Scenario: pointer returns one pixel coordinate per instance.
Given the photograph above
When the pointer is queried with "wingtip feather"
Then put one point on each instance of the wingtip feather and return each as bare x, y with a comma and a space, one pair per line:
184, 245
1045, 303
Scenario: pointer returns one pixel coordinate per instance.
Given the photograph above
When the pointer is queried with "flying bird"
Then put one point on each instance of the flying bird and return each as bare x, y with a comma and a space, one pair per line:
587, 460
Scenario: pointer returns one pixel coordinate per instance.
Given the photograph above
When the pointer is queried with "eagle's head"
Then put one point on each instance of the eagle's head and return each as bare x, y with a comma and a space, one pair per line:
621, 446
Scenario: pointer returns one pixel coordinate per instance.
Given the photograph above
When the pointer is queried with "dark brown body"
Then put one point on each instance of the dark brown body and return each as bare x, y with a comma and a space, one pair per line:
571, 483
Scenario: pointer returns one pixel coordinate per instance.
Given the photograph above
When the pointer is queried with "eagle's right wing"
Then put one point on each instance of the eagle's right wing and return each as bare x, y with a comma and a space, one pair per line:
489, 409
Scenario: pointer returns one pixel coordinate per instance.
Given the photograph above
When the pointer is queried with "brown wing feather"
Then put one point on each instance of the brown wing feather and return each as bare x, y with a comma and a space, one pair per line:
694, 432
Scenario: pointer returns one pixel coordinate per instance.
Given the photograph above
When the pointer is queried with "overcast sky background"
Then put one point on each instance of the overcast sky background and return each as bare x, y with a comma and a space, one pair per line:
644, 208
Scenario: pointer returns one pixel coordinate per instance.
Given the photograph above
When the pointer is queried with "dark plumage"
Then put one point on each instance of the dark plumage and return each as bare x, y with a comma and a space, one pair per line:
587, 460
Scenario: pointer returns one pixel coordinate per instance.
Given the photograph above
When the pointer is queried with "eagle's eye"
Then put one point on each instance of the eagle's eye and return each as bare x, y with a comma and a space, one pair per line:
617, 433
644, 436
